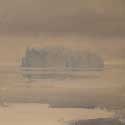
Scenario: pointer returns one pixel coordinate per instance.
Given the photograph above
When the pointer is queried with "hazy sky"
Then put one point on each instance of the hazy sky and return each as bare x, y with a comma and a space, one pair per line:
97, 25
90, 17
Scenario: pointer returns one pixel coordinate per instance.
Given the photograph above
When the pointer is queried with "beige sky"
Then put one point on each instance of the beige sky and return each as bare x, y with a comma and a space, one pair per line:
13, 48
89, 17
94, 25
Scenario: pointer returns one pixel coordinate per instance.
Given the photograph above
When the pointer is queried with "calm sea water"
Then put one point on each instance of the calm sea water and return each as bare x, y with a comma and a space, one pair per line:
20, 95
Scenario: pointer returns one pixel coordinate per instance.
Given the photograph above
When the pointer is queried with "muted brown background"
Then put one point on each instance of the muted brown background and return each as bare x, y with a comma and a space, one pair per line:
97, 25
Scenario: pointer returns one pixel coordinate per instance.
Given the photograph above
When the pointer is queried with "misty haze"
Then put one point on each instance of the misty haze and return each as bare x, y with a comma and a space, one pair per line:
62, 62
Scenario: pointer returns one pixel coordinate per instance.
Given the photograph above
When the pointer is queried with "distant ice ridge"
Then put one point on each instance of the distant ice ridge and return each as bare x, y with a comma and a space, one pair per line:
60, 58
